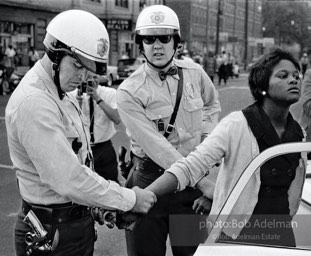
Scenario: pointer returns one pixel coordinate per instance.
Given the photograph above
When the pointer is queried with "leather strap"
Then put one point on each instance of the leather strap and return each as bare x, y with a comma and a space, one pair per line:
170, 125
91, 118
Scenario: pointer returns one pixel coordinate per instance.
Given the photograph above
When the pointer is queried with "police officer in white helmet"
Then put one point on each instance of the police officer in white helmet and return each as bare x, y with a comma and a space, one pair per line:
50, 149
168, 107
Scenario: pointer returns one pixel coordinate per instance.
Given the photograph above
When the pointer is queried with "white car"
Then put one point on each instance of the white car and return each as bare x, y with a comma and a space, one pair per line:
302, 220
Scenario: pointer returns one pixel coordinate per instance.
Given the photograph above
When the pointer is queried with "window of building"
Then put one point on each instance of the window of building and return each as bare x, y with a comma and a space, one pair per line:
122, 3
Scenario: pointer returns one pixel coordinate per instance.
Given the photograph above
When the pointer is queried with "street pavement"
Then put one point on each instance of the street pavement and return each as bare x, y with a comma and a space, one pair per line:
232, 97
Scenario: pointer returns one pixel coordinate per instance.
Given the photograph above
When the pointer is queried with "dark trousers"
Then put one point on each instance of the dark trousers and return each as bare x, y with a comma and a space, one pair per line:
76, 237
172, 215
105, 160
223, 73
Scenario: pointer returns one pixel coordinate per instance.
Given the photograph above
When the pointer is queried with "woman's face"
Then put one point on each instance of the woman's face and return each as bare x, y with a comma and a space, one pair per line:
284, 83
72, 73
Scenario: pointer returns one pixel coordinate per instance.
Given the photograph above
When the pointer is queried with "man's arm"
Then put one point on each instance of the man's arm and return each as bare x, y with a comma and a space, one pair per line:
44, 139
165, 184
111, 113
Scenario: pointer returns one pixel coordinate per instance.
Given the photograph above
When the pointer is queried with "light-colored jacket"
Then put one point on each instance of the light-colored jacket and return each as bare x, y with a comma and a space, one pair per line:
41, 129
233, 141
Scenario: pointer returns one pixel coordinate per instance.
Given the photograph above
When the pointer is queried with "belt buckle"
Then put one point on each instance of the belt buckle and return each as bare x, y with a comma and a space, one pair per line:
169, 128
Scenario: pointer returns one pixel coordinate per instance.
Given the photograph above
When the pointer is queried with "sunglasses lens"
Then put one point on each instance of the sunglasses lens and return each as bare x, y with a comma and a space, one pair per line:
151, 39
164, 39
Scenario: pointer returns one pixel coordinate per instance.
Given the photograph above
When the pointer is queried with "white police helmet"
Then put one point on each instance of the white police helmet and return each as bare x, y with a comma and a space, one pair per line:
157, 20
81, 35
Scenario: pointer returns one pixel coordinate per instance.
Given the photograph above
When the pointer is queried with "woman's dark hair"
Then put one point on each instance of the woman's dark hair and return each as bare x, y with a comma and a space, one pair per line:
261, 71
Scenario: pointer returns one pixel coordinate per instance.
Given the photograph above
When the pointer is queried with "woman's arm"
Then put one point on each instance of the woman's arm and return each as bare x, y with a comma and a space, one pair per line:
165, 184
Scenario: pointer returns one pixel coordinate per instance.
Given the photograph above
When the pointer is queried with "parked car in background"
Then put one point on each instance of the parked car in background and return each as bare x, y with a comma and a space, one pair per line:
301, 222
127, 66
110, 78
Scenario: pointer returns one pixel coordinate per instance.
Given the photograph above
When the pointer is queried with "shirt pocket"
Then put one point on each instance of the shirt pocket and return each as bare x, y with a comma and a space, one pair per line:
162, 112
193, 114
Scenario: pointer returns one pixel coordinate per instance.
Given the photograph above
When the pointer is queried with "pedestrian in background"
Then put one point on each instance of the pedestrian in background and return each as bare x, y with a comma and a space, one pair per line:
168, 106
180, 52
223, 71
305, 102
231, 62
98, 104
209, 64
49, 142
273, 193
304, 63
10, 55
33, 56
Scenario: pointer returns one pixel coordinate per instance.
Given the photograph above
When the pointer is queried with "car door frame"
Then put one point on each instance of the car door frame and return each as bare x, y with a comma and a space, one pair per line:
249, 171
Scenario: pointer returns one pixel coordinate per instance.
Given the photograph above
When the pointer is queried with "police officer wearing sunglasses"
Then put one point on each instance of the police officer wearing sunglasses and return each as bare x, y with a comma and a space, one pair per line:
50, 149
146, 102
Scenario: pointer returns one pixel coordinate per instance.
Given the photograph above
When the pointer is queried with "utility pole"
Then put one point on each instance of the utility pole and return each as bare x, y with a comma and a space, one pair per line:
217, 27
206, 29
246, 34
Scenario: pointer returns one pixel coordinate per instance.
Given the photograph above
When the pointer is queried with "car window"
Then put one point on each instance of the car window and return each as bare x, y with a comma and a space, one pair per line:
273, 230
126, 62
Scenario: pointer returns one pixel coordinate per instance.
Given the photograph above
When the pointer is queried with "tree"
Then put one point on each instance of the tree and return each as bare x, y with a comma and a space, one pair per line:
287, 22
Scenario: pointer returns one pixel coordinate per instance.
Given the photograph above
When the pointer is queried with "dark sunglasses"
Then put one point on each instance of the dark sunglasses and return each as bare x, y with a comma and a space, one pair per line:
151, 39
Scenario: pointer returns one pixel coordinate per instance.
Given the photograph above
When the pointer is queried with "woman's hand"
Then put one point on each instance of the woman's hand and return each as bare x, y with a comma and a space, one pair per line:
202, 205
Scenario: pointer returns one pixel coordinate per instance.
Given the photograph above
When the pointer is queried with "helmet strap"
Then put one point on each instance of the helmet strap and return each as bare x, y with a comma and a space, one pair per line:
56, 56
55, 71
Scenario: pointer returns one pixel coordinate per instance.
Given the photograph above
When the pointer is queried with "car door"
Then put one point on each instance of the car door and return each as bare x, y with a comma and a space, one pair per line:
301, 222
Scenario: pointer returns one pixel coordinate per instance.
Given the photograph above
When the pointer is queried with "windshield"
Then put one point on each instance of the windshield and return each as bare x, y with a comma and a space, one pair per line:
126, 62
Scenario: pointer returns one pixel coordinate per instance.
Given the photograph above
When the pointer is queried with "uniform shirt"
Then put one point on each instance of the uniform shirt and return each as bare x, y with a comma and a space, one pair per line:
233, 141
41, 129
144, 101
10, 52
104, 128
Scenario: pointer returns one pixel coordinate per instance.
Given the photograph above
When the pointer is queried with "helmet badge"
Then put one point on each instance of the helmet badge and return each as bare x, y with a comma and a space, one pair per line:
157, 17
102, 47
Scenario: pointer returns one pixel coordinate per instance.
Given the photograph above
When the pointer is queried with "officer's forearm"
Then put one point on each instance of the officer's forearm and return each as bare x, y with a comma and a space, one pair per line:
165, 184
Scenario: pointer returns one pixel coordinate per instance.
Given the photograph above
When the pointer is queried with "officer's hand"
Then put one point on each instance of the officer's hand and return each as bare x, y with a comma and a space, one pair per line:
202, 205
91, 91
98, 215
144, 200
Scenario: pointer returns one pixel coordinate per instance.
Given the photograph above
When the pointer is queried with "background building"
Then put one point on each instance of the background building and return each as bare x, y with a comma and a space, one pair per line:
23, 23
216, 25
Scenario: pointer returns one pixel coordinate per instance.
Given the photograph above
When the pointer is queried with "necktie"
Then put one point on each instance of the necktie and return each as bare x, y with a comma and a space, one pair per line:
91, 118
170, 72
